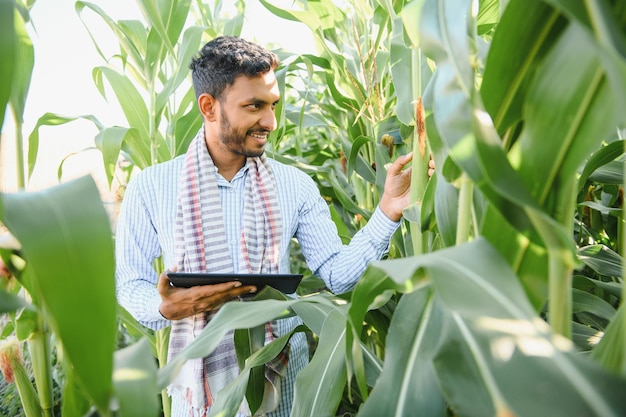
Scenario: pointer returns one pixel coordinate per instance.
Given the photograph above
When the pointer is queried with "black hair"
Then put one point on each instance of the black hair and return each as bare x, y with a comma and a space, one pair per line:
222, 60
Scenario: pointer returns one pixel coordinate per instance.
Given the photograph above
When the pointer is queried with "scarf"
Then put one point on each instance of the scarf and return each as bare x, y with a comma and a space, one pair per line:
200, 246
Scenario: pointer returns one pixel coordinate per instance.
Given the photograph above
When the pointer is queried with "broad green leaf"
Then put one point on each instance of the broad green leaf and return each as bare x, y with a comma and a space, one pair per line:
446, 209
468, 385
611, 173
602, 260
404, 63
589, 303
138, 148
566, 117
247, 342
411, 14
408, 381
48, 119
319, 16
134, 379
188, 47
507, 74
594, 285
603, 22
135, 329
488, 285
109, 141
27, 322
186, 129
7, 53
130, 34
75, 400
66, 237
23, 68
488, 15
600, 158
231, 316
230, 397
158, 18
527, 350
131, 102
610, 350
319, 386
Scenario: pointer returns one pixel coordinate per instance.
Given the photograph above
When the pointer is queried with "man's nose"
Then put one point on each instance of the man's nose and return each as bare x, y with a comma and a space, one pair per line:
268, 121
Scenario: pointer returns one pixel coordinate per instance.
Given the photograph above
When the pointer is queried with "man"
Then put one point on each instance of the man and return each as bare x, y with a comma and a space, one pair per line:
226, 207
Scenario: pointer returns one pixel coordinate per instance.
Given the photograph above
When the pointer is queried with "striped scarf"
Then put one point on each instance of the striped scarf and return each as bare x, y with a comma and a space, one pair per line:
200, 246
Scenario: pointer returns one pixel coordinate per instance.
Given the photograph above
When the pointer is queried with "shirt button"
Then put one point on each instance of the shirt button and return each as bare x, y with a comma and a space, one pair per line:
233, 242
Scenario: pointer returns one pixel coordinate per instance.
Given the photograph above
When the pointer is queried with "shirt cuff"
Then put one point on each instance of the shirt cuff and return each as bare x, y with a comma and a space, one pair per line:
153, 306
382, 227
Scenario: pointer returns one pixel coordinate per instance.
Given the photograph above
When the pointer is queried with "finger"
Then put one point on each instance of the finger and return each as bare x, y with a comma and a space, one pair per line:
399, 163
164, 284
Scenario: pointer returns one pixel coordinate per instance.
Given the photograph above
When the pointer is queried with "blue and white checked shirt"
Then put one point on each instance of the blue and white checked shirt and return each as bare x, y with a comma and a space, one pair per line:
145, 231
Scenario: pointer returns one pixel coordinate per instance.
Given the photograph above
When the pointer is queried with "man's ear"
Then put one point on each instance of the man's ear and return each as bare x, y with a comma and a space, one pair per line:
206, 104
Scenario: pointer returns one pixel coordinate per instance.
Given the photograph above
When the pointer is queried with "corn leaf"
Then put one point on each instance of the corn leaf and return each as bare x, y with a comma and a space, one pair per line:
52, 227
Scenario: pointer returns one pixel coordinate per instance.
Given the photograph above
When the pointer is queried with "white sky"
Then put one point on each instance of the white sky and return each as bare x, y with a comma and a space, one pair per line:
62, 84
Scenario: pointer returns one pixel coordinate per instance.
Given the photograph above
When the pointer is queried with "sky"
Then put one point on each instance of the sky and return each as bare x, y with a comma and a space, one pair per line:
62, 84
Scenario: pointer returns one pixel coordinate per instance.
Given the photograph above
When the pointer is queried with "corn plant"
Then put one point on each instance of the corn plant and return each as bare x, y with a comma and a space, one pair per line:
351, 109
516, 139
516, 311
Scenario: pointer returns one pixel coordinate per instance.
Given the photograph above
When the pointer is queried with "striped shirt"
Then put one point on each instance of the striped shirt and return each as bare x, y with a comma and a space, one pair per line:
145, 231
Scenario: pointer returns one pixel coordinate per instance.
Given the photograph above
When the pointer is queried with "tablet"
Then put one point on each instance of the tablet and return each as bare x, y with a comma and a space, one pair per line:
286, 283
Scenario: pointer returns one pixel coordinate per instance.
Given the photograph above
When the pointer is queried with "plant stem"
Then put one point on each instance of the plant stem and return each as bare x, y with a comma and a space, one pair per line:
162, 343
39, 347
154, 155
19, 151
421, 153
464, 219
560, 297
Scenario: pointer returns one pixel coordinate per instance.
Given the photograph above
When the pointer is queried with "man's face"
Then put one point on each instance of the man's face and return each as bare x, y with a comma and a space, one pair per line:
247, 114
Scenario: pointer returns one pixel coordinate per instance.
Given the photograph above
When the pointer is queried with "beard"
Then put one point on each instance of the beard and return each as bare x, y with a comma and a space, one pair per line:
235, 139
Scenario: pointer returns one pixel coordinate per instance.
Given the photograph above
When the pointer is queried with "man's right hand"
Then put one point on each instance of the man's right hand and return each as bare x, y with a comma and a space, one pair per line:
178, 303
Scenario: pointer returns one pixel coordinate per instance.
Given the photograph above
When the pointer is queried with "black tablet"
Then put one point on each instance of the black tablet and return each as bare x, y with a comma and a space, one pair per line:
286, 283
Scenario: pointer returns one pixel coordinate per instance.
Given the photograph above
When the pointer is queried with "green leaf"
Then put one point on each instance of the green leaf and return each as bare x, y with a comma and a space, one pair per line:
319, 386
600, 158
134, 380
610, 350
135, 329
531, 353
229, 399
26, 323
247, 342
408, 381
130, 34
188, 48
7, 53
48, 119
489, 287
109, 141
231, 316
23, 70
602, 259
589, 303
66, 241
130, 100
507, 74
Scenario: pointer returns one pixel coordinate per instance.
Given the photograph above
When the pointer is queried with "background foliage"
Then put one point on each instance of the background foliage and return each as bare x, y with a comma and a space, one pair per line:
502, 292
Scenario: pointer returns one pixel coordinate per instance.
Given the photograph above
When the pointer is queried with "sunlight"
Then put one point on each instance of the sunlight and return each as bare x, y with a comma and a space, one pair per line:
530, 337
130, 374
